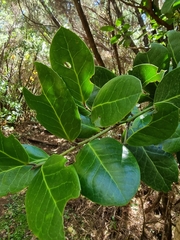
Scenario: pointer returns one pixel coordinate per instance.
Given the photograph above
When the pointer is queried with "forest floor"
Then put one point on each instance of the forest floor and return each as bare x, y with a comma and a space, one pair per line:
149, 215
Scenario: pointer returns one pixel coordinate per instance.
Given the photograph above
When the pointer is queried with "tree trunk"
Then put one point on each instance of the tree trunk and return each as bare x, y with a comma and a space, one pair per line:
88, 32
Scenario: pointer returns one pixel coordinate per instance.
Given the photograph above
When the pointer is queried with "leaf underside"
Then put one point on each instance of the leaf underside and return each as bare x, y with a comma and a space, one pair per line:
158, 168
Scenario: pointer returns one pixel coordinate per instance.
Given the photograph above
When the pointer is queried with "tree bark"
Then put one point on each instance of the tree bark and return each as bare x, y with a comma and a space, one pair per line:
141, 23
150, 11
88, 32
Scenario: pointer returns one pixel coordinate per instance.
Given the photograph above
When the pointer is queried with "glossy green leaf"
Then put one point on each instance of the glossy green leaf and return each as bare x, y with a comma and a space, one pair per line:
82, 108
108, 172
168, 89
102, 76
176, 5
73, 61
158, 55
160, 126
173, 45
55, 107
15, 173
172, 144
35, 154
147, 73
93, 95
107, 28
116, 99
158, 168
167, 7
47, 196
16, 179
12, 154
88, 129
142, 121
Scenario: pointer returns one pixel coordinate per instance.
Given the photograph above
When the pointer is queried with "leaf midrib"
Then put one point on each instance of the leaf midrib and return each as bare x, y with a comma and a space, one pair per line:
106, 169
115, 101
73, 67
59, 119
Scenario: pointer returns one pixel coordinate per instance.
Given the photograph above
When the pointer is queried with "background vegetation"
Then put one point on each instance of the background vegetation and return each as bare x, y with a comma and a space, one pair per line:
115, 31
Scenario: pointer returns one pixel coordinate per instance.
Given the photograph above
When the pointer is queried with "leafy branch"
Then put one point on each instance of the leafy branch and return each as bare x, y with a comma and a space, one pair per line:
105, 170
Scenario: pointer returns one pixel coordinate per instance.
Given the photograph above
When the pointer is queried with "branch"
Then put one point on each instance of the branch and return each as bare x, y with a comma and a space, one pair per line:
88, 32
150, 11
31, 20
141, 23
53, 18
119, 14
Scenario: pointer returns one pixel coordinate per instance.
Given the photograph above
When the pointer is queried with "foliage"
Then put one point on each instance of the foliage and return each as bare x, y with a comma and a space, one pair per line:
71, 106
20, 45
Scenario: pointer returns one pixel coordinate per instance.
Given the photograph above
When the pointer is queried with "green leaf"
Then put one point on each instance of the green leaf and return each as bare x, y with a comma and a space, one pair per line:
15, 173
173, 45
168, 89
93, 95
47, 195
12, 154
35, 154
116, 99
73, 61
126, 43
102, 76
82, 108
88, 129
157, 55
119, 21
176, 5
141, 121
108, 172
107, 28
55, 107
115, 38
167, 7
172, 144
125, 27
158, 168
147, 73
15, 179
160, 127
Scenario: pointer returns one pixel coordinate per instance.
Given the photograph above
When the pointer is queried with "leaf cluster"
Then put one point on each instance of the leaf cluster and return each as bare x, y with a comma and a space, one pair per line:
82, 101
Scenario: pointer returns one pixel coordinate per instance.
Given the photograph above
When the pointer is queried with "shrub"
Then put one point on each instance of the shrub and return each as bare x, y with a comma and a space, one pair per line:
82, 101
